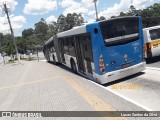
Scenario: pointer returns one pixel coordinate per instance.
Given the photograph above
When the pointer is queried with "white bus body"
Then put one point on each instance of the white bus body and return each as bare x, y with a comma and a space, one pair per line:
152, 41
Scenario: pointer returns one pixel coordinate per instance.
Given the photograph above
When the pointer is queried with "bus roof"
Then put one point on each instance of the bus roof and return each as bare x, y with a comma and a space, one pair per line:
118, 18
49, 40
82, 29
153, 27
73, 31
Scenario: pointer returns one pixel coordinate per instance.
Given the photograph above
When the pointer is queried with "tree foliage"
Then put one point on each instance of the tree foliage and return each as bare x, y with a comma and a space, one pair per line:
41, 27
7, 44
150, 15
27, 32
68, 22
31, 38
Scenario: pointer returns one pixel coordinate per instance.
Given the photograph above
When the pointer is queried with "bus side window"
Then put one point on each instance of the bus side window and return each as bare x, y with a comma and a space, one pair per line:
71, 47
155, 34
66, 46
85, 47
52, 46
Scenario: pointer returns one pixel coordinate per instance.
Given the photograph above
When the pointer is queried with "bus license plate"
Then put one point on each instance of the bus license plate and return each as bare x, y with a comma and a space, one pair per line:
125, 65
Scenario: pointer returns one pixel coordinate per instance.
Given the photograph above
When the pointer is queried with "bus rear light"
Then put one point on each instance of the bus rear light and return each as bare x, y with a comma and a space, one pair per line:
103, 70
101, 64
101, 67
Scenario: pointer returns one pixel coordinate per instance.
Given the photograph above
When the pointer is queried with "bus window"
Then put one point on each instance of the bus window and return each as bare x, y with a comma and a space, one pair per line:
120, 31
155, 34
66, 46
71, 47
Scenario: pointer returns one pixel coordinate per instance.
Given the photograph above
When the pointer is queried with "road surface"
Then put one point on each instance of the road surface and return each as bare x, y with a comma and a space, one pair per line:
41, 86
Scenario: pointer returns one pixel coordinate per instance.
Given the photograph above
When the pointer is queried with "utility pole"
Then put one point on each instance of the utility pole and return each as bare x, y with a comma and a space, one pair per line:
12, 33
95, 3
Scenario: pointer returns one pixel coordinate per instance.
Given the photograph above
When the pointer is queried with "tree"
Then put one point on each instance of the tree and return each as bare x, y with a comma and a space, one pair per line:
68, 22
150, 15
7, 46
102, 18
21, 44
61, 23
52, 28
27, 32
133, 11
113, 16
41, 27
40, 32
78, 19
123, 14
1, 39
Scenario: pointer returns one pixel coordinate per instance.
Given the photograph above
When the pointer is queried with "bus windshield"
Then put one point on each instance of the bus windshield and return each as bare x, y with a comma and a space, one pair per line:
120, 30
155, 34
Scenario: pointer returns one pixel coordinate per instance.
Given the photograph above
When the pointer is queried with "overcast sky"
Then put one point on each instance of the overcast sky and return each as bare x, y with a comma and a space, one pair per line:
25, 13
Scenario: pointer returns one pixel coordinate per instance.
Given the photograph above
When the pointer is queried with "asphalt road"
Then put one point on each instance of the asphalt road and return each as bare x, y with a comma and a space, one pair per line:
153, 62
143, 88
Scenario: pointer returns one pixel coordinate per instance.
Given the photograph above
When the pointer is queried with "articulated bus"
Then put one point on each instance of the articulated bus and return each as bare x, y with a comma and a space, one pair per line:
102, 51
152, 41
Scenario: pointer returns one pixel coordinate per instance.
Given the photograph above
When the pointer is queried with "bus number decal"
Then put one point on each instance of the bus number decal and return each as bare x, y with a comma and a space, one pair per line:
135, 44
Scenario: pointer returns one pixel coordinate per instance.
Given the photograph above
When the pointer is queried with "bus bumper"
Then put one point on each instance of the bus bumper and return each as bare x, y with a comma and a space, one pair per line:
116, 75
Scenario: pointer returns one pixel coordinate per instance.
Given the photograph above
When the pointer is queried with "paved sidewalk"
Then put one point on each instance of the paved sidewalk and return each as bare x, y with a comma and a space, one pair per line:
40, 86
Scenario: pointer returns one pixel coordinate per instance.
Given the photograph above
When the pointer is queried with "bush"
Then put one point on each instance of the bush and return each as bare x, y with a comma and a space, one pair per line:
10, 61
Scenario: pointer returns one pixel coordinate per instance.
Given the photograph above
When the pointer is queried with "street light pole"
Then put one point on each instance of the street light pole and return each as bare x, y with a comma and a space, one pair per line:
95, 3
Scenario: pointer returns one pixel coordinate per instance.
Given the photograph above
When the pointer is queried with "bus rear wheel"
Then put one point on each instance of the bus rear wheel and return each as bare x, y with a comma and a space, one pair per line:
73, 66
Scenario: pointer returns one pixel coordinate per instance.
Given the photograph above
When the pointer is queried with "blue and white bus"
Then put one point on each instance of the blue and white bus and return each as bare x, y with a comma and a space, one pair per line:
103, 51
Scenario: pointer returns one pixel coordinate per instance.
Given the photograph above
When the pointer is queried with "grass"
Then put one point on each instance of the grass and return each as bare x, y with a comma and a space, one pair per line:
10, 62
28, 59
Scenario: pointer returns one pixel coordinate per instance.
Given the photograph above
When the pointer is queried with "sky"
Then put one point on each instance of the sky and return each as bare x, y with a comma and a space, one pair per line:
25, 13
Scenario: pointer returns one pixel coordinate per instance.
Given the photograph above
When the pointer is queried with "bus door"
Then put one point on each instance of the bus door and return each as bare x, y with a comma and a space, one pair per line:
61, 50
87, 50
79, 54
84, 53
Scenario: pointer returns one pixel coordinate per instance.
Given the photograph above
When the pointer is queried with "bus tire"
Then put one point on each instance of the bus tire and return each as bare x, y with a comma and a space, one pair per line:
54, 60
149, 54
73, 66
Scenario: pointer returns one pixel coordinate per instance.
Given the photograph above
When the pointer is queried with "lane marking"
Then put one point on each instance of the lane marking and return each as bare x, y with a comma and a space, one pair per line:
153, 68
28, 83
124, 97
97, 103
